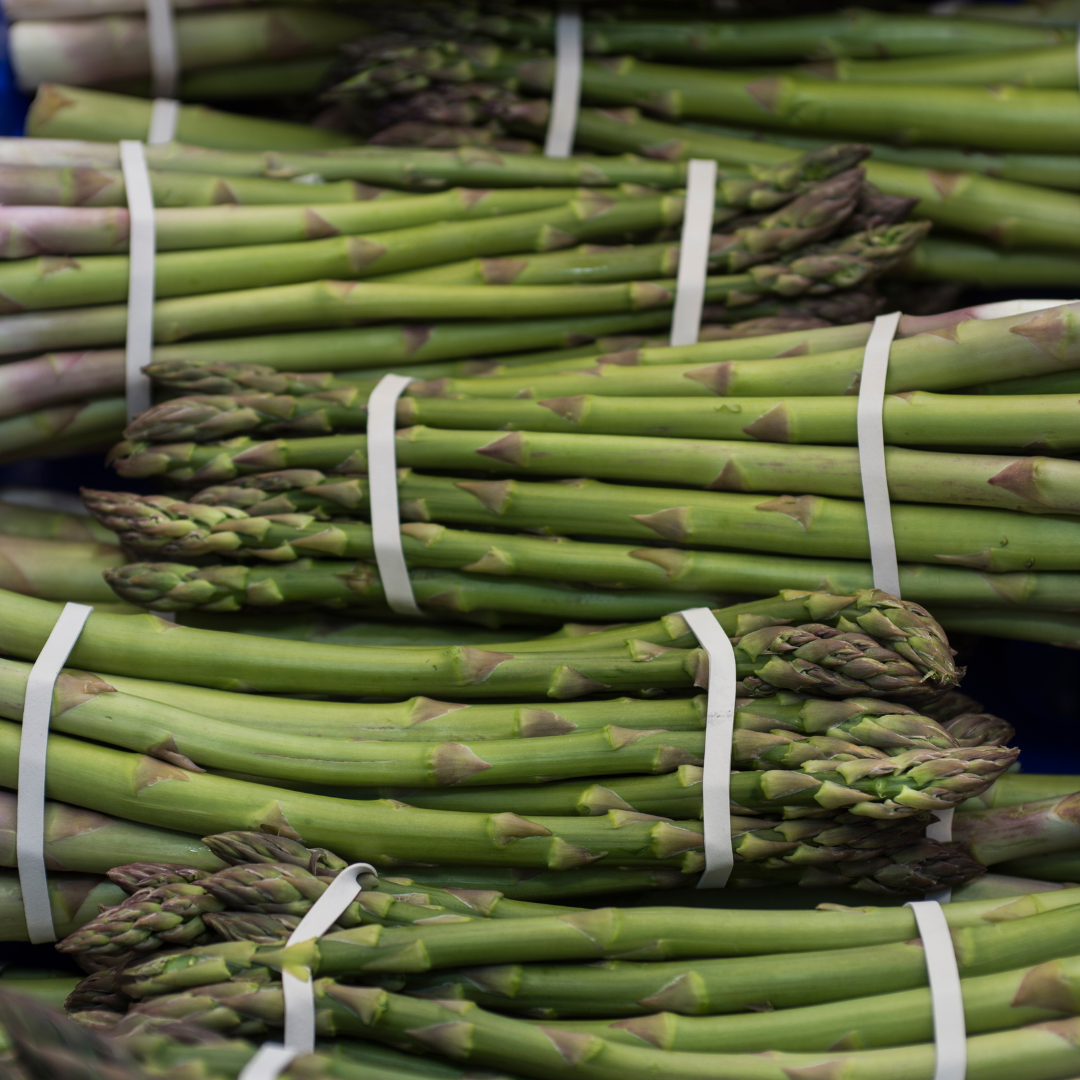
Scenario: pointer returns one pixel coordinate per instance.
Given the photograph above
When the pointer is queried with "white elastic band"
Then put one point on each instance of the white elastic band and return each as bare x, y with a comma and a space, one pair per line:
164, 52
875, 484
299, 994
719, 728
946, 997
941, 830
383, 493
164, 116
140, 305
566, 87
694, 251
33, 747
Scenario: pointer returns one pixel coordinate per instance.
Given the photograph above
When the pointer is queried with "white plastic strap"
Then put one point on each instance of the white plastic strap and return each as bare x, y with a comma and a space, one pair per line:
164, 116
566, 89
871, 432
383, 491
140, 309
33, 747
299, 994
941, 830
694, 251
719, 728
946, 997
164, 52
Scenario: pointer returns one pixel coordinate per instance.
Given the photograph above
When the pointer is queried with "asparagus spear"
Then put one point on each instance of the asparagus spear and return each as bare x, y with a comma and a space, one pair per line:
86, 52
71, 428
1059, 866
102, 279
913, 419
1024, 787
73, 898
57, 569
809, 525
20, 519
36, 230
68, 112
136, 645
1030, 829
91, 186
273, 79
175, 587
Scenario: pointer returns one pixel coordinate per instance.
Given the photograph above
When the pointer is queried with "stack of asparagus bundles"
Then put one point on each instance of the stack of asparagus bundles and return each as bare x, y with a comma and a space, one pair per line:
224, 52
666, 477
975, 118
795, 246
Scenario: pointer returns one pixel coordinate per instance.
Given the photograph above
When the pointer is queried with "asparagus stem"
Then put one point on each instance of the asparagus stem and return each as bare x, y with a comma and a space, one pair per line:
69, 428
91, 843
1030, 829
68, 112
274, 79
17, 519
74, 899
1060, 866
58, 569
1016, 788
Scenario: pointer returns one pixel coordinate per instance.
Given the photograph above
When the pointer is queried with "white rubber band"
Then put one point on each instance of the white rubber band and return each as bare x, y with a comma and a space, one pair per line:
719, 728
164, 52
383, 493
941, 830
694, 251
946, 996
33, 747
140, 306
566, 88
875, 485
273, 1058
164, 116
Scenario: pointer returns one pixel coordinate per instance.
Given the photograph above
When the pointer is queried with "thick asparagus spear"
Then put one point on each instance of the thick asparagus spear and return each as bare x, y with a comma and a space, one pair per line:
1024, 787
809, 525
1027, 830
33, 522
74, 899
87, 842
68, 112
912, 419
86, 52
1059, 866
57, 569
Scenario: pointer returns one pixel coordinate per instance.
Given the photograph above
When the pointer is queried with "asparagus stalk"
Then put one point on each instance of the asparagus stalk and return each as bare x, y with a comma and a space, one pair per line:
787, 977
951, 259
91, 186
90, 843
19, 519
916, 418
73, 898
809, 526
68, 112
79, 230
1027, 830
57, 569
61, 429
1024, 787
102, 279
175, 587
1051, 627
85, 52
134, 645
1040, 484
1059, 866
274, 79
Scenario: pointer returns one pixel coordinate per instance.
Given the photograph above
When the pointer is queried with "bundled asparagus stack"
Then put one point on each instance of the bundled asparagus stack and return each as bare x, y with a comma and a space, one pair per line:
792, 244
670, 87
603, 454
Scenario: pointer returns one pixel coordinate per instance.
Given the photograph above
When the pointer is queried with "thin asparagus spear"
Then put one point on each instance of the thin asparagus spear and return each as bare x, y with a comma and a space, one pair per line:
68, 112
810, 525
92, 186
273, 79
1050, 627
74, 899
86, 52
79, 230
175, 587
83, 841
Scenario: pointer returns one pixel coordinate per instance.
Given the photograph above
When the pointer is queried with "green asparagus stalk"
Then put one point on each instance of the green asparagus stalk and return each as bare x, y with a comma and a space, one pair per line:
74, 427
79, 230
102, 279
1050, 627
1059, 866
19, 519
808, 526
1026, 830
786, 977
73, 898
90, 843
1039, 484
952, 259
68, 112
847, 33
913, 419
176, 587
85, 52
274, 79
57, 569
91, 186
1044, 170
1023, 787
135, 645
